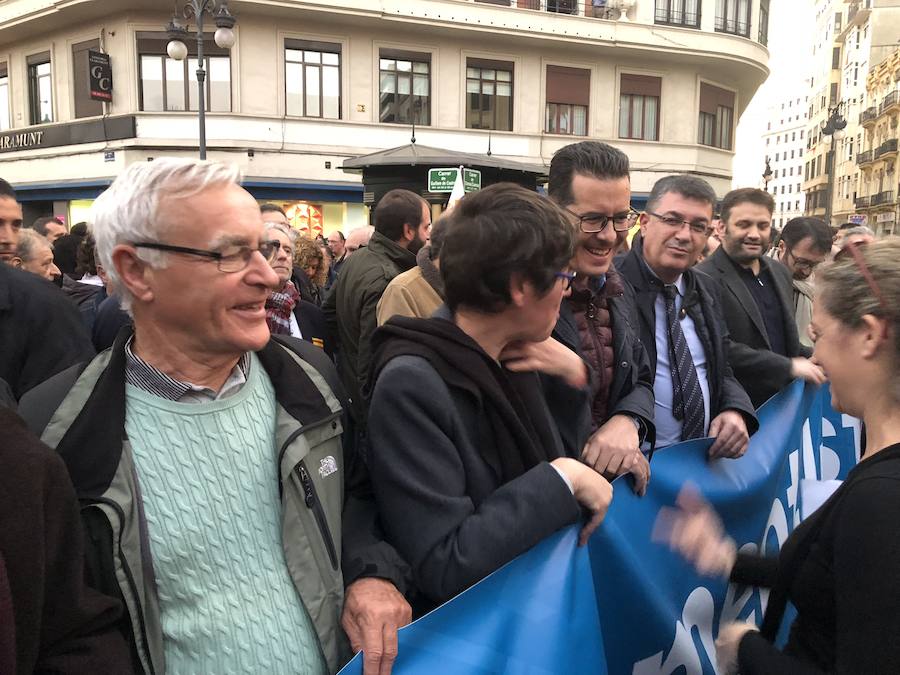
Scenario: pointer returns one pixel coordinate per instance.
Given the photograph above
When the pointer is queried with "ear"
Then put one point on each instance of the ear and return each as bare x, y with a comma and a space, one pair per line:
643, 219
409, 232
781, 247
519, 290
16, 261
874, 332
134, 273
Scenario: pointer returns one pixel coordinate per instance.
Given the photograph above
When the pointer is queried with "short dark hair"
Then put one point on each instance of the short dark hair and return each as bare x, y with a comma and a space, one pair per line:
79, 229
689, 187
798, 229
341, 235
6, 190
85, 257
496, 232
40, 224
846, 226
396, 209
438, 234
587, 158
746, 195
268, 207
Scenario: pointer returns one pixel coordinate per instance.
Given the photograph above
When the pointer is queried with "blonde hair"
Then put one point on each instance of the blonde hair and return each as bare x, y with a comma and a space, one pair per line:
307, 251
845, 294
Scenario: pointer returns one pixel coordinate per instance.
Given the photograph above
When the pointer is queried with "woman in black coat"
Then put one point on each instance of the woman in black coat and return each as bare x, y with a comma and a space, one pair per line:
840, 567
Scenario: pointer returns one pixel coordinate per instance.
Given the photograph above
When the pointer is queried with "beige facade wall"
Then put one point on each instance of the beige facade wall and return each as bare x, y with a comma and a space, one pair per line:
450, 30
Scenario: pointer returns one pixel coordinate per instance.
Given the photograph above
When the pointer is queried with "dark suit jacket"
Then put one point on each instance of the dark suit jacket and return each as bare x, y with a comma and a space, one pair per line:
704, 305
311, 321
762, 372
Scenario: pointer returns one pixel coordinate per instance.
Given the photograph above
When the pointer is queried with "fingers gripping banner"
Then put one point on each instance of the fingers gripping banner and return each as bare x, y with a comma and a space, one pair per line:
626, 604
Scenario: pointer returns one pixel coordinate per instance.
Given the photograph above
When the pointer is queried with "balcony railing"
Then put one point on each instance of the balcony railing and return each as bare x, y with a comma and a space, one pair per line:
887, 148
673, 17
889, 101
886, 197
862, 202
868, 115
733, 26
572, 7
864, 157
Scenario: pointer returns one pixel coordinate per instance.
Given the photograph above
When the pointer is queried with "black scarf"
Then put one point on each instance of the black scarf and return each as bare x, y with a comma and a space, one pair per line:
516, 432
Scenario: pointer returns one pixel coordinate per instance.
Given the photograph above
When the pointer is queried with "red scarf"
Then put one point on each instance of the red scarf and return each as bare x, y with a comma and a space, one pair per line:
279, 306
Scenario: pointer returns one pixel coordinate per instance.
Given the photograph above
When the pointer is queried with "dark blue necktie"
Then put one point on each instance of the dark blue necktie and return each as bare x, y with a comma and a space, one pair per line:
687, 397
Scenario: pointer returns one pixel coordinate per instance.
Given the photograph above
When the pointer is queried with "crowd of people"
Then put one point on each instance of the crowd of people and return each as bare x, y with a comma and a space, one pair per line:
230, 447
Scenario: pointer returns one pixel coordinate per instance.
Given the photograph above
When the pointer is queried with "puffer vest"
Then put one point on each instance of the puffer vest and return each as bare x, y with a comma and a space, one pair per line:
590, 308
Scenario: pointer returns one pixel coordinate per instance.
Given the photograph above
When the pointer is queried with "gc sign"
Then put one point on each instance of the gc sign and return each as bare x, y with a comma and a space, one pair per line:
101, 76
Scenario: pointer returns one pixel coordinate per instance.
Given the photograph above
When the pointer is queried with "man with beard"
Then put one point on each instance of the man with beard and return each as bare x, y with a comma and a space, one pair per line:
402, 224
804, 245
766, 353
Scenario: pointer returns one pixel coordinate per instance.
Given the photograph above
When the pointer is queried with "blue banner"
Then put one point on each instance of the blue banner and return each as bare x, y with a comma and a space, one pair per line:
625, 604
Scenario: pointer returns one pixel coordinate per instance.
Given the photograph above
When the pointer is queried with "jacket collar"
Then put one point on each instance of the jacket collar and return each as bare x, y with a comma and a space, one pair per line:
735, 285
92, 444
398, 255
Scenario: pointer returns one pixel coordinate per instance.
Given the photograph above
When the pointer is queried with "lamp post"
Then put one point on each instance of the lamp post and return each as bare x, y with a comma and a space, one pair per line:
224, 38
767, 174
832, 128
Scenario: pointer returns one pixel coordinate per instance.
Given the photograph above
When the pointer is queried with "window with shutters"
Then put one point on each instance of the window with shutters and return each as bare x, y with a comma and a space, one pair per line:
764, 22
404, 87
170, 85
312, 77
40, 88
716, 119
733, 16
568, 94
639, 101
489, 94
4, 97
85, 106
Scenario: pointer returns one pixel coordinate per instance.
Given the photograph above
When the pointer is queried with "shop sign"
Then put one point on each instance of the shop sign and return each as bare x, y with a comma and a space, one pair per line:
55, 135
442, 180
101, 76
885, 217
858, 219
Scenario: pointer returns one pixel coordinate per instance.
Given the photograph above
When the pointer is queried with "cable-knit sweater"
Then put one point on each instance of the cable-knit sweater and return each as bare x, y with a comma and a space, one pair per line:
209, 485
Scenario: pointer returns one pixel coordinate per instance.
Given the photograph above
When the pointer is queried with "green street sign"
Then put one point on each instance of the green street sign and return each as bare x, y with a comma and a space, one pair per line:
471, 180
442, 180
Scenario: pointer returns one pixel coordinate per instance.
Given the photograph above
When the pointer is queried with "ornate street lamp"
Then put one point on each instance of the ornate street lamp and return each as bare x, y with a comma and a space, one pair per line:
224, 38
767, 174
833, 127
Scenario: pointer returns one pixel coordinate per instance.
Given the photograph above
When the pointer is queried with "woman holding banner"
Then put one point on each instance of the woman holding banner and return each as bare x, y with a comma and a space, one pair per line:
840, 568
468, 467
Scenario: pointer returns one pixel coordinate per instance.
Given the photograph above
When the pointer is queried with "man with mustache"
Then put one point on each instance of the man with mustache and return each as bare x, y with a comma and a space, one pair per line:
765, 352
681, 322
590, 181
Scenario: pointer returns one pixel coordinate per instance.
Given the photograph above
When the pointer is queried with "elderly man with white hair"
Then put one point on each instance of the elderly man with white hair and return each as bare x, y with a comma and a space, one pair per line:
207, 455
34, 253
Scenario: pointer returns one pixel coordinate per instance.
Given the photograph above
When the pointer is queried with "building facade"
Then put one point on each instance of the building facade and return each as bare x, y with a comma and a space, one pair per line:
308, 85
785, 140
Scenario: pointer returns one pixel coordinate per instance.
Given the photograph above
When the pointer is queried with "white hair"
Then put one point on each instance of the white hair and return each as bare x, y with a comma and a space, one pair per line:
127, 212
286, 230
30, 244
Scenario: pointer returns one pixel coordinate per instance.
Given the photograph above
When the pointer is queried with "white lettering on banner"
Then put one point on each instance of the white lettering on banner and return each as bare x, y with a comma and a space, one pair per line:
699, 608
699, 611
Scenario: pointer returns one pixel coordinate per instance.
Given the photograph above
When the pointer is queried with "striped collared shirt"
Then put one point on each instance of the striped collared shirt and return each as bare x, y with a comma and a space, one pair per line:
141, 374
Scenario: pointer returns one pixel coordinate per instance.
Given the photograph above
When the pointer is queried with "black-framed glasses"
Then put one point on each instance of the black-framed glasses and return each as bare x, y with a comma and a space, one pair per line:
592, 223
696, 226
567, 277
234, 259
804, 262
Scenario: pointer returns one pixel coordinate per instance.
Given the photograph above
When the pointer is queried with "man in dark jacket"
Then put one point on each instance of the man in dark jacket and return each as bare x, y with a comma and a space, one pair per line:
681, 314
765, 352
591, 182
402, 223
49, 620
